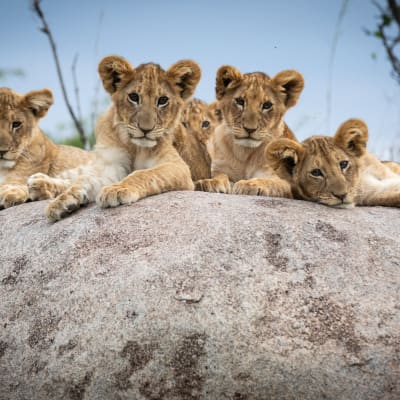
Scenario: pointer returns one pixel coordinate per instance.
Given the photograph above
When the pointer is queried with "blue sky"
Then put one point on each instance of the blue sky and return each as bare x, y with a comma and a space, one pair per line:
252, 35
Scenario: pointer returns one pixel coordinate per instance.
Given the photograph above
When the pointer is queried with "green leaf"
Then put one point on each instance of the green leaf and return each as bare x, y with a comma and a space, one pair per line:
386, 20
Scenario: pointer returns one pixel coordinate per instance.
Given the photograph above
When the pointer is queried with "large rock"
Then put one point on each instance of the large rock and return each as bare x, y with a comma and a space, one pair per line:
191, 295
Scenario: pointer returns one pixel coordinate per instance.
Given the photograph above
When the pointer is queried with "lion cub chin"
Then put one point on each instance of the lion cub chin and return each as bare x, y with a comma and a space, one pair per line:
25, 149
253, 106
134, 156
336, 171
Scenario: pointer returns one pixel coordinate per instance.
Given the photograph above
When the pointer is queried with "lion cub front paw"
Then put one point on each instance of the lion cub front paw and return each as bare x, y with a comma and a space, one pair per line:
263, 187
41, 187
12, 195
249, 188
214, 185
115, 195
65, 204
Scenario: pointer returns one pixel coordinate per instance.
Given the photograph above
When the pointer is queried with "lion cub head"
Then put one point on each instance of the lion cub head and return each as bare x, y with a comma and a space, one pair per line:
323, 169
147, 99
253, 105
201, 119
19, 116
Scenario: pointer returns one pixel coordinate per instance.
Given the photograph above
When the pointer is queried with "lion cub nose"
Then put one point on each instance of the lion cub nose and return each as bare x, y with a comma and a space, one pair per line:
250, 130
146, 130
340, 196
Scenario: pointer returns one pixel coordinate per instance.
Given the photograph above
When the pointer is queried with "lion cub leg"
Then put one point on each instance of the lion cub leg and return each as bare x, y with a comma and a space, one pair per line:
218, 184
379, 193
272, 187
146, 182
13, 194
42, 186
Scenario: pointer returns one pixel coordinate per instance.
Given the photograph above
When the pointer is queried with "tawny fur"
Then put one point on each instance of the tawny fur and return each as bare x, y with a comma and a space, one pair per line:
25, 149
192, 138
394, 166
134, 155
253, 106
336, 171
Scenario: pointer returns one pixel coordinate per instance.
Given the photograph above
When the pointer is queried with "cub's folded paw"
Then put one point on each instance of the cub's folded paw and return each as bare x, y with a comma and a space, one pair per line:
65, 204
115, 195
41, 187
12, 195
249, 188
213, 185
263, 187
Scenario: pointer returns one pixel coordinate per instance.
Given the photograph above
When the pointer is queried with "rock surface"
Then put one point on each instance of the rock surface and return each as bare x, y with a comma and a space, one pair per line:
190, 295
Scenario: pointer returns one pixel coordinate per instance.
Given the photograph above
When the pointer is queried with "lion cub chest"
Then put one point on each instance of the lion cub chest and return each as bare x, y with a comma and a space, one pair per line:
236, 161
144, 160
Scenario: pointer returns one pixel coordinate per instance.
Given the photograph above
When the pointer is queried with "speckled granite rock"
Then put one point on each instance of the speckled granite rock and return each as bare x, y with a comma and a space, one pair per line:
192, 295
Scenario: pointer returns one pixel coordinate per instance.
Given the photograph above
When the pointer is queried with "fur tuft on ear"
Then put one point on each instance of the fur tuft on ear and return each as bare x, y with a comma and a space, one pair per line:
290, 83
283, 155
352, 136
228, 78
114, 71
185, 75
38, 101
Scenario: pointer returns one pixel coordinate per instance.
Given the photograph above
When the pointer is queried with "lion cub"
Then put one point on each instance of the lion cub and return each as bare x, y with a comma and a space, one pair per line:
24, 148
134, 156
192, 138
253, 106
336, 171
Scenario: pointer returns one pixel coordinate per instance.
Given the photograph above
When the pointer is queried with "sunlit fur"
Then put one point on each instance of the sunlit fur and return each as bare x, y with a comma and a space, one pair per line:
253, 106
134, 155
349, 175
193, 136
24, 148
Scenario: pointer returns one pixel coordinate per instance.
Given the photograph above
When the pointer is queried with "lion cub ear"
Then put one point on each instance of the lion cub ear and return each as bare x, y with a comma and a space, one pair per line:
283, 155
290, 83
38, 101
185, 75
228, 78
114, 71
352, 136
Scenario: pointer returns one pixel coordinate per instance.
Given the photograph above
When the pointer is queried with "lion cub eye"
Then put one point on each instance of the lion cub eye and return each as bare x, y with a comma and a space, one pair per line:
316, 172
16, 124
239, 101
162, 101
133, 97
205, 124
267, 105
343, 164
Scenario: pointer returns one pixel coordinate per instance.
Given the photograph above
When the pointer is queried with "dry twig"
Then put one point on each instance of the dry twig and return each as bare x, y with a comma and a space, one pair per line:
46, 30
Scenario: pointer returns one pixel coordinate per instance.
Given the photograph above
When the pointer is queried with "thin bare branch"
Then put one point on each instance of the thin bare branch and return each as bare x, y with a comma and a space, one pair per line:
95, 102
335, 41
46, 30
76, 88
